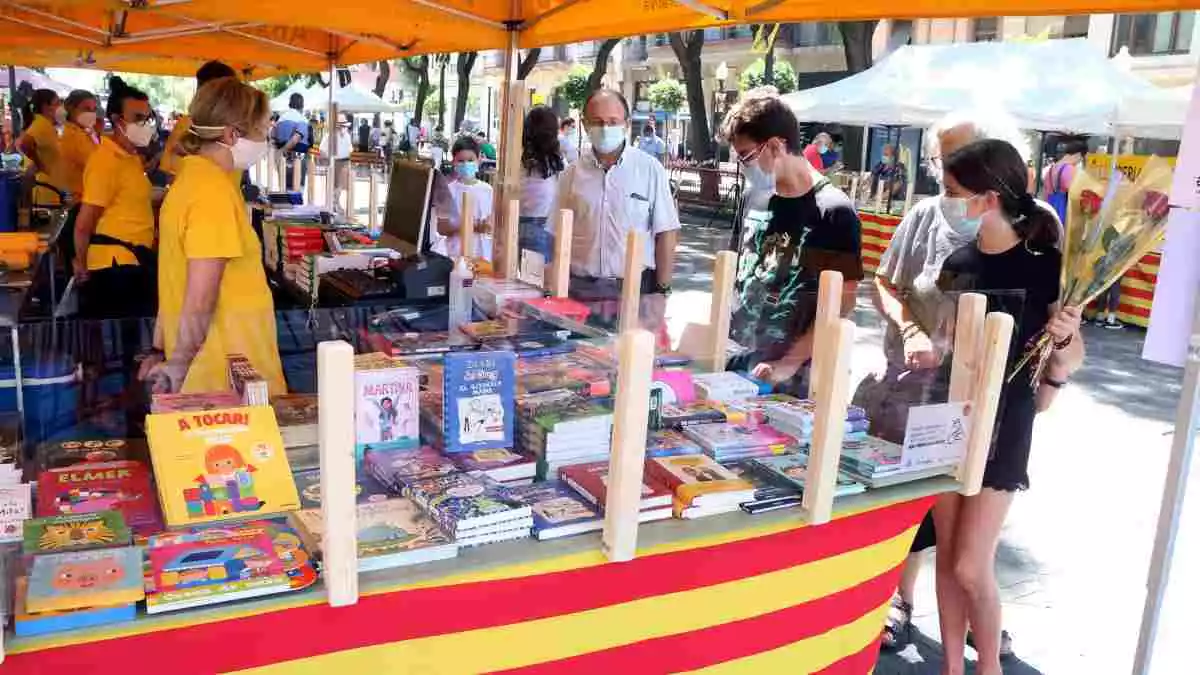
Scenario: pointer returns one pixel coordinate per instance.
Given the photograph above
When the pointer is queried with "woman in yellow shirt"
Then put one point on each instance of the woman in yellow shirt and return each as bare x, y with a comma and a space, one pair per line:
40, 143
213, 295
115, 264
79, 139
172, 149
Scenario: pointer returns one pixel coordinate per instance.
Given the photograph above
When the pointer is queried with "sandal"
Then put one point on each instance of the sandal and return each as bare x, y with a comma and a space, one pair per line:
897, 632
1006, 646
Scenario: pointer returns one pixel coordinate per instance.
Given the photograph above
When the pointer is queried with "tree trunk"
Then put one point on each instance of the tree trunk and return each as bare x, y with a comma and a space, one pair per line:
687, 48
528, 62
767, 32
466, 61
421, 70
856, 44
442, 92
601, 66
383, 72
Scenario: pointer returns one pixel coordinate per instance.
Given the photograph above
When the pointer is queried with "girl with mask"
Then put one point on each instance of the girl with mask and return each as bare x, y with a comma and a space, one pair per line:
40, 143
1013, 255
465, 179
541, 164
79, 139
114, 232
214, 297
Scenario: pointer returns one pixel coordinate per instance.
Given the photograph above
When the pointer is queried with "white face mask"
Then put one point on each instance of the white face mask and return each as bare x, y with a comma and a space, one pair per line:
140, 134
246, 152
87, 120
60, 115
954, 210
607, 139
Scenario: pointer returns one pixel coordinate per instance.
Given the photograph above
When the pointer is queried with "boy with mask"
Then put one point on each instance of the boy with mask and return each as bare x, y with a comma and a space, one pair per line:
465, 155
808, 226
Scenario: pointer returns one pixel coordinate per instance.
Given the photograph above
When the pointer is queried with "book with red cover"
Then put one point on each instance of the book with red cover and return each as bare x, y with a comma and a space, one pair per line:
591, 481
87, 488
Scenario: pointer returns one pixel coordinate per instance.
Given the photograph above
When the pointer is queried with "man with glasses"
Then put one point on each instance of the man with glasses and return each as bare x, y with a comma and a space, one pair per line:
612, 189
808, 226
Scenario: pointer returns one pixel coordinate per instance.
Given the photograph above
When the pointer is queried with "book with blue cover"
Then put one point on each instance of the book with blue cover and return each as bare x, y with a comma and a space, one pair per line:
478, 396
558, 511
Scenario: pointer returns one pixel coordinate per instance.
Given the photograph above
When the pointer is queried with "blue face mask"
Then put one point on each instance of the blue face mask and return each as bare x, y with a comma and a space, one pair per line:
605, 138
954, 210
466, 170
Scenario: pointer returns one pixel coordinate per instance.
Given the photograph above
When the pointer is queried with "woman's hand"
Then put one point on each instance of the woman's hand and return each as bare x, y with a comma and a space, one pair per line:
776, 372
1064, 324
80, 269
919, 353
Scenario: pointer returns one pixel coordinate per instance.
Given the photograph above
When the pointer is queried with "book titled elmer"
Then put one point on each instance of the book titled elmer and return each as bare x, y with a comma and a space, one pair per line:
220, 464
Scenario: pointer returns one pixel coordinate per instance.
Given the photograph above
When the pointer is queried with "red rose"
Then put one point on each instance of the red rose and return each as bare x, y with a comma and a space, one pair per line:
1156, 205
1090, 203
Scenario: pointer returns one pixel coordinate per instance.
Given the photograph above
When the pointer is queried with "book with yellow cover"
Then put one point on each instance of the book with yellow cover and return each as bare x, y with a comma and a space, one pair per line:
699, 481
218, 464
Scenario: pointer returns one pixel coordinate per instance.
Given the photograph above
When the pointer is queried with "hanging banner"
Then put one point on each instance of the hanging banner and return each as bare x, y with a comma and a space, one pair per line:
1130, 165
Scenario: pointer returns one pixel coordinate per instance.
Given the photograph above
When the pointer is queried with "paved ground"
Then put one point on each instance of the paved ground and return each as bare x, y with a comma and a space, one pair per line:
1075, 551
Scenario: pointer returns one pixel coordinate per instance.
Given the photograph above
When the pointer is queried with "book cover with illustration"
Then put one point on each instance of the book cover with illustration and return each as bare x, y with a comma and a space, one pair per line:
203, 566
385, 404
180, 402
78, 579
698, 480
679, 415
56, 455
391, 533
397, 468
668, 442
220, 464
675, 384
478, 393
591, 481
75, 532
500, 464
558, 511
298, 564
29, 624
308, 486
296, 410
724, 437
87, 488
793, 470
460, 502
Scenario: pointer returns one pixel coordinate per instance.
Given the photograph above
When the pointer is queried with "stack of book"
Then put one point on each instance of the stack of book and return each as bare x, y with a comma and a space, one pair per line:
122, 485
167, 403
573, 371
769, 494
560, 428
392, 532
558, 511
501, 465
83, 573
245, 381
297, 418
591, 482
876, 463
792, 470
668, 442
725, 386
725, 441
397, 469
494, 296
702, 487
797, 418
298, 239
472, 509
680, 415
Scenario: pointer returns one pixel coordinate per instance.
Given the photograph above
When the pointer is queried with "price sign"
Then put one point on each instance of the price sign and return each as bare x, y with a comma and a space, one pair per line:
936, 435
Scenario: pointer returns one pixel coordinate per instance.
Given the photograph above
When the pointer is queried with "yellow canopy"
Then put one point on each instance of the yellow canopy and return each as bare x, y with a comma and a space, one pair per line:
265, 38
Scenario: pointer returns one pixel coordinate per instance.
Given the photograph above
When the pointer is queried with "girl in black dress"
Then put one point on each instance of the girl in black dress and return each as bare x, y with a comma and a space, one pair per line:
1014, 250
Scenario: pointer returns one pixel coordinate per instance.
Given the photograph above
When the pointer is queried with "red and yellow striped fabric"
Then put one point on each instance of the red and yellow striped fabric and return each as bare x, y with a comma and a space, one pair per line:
877, 230
1137, 290
770, 598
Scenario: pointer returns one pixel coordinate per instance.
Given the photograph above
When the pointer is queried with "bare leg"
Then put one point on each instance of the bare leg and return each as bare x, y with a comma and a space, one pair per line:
976, 538
952, 603
908, 577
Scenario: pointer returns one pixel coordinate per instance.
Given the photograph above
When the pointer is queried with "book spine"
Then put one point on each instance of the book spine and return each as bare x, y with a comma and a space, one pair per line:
579, 488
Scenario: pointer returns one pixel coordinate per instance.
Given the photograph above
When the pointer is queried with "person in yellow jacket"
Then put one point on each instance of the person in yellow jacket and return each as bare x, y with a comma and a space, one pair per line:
79, 139
41, 144
213, 295
114, 232
172, 149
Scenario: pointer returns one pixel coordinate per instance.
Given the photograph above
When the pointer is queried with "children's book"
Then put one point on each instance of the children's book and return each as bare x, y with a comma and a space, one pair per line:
461, 502
78, 579
793, 470
397, 468
727, 438
366, 488
699, 481
591, 481
70, 453
220, 464
391, 533
385, 405
15, 508
558, 511
478, 398
87, 488
725, 386
167, 403
29, 624
208, 566
298, 564
75, 532
769, 494
498, 464
667, 442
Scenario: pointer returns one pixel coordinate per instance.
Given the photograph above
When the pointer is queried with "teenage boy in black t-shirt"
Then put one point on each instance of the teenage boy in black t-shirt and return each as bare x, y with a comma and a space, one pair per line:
809, 226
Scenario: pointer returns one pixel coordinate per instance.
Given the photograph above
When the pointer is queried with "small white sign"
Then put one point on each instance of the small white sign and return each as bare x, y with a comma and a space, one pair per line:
14, 510
1185, 186
533, 266
936, 435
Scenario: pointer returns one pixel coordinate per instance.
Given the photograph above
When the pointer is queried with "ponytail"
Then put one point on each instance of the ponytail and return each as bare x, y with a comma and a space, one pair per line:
40, 99
118, 92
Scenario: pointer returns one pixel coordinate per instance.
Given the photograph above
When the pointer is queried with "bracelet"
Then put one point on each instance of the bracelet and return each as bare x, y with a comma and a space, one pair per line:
910, 330
1066, 342
1057, 384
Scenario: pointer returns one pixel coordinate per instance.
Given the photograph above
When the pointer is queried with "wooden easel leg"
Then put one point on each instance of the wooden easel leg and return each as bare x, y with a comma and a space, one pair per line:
335, 396
635, 358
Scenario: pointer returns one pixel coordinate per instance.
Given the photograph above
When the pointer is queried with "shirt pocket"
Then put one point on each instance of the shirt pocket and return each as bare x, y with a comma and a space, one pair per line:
637, 213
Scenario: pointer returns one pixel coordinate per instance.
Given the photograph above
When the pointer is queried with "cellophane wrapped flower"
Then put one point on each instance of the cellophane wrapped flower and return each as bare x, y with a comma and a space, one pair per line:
1103, 237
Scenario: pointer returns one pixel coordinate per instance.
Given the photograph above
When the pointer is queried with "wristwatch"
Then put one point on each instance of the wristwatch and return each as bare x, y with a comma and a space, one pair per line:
662, 289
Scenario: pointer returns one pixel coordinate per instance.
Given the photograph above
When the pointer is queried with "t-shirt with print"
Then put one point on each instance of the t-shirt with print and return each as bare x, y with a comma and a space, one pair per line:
783, 252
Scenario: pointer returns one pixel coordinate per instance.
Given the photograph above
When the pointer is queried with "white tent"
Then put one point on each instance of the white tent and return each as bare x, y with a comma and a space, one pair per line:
353, 99
280, 102
1051, 85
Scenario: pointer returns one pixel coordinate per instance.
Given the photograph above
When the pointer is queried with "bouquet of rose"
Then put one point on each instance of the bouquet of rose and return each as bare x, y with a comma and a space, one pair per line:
1109, 228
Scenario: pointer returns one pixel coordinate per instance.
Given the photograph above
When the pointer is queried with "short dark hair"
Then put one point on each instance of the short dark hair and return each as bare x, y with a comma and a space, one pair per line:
605, 91
464, 143
760, 116
1073, 145
213, 70
76, 97
118, 93
296, 101
566, 122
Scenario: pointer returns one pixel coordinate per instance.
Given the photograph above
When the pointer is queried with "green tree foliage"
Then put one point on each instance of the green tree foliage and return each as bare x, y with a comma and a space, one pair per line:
574, 90
667, 95
172, 93
785, 77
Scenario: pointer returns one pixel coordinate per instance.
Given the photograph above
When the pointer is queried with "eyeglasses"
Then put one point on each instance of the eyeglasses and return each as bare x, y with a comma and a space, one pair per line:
752, 155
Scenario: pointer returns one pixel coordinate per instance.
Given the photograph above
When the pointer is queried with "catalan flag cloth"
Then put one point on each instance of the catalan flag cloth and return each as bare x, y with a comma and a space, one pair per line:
781, 597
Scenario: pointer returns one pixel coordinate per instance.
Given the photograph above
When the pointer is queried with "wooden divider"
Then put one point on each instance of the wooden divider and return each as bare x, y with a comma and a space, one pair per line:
997, 334
349, 190
372, 201
310, 180
829, 309
560, 274
296, 169
635, 365
512, 129
968, 346
507, 248
719, 312
269, 184
466, 226
831, 394
335, 398
631, 285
